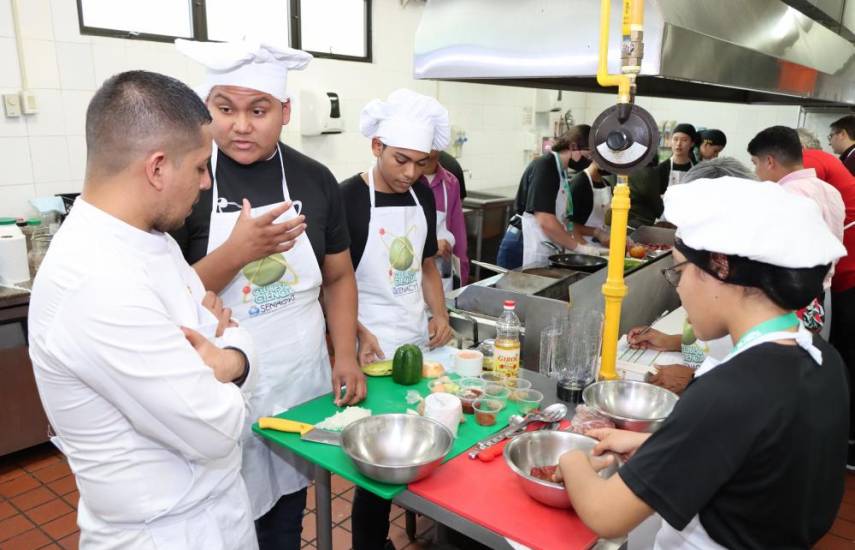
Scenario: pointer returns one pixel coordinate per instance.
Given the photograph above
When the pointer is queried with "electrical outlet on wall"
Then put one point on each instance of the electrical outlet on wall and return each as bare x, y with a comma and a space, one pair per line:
12, 105
29, 104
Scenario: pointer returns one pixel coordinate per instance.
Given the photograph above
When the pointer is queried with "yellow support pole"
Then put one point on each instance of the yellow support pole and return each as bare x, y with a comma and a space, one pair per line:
615, 289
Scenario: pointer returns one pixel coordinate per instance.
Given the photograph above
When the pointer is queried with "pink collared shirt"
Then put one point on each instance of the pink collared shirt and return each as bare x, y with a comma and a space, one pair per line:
804, 182
454, 214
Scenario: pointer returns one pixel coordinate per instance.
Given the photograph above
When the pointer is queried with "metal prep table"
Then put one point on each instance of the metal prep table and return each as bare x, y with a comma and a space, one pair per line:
444, 518
487, 212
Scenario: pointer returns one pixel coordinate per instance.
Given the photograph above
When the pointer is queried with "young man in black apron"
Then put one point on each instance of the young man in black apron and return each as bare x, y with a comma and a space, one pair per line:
392, 218
271, 274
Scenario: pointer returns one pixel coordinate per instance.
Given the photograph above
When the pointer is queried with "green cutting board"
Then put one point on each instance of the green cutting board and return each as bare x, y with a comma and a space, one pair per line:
384, 396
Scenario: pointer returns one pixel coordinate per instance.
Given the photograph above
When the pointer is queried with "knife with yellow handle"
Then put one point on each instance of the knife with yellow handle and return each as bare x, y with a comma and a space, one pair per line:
307, 431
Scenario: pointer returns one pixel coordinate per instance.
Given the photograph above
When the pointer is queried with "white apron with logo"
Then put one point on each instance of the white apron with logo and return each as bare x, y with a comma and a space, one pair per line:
602, 203
447, 267
276, 299
534, 251
389, 276
694, 536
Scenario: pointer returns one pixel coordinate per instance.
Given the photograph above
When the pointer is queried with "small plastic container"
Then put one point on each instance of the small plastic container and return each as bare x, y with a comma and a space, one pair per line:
486, 411
528, 400
516, 385
492, 377
443, 385
499, 392
471, 389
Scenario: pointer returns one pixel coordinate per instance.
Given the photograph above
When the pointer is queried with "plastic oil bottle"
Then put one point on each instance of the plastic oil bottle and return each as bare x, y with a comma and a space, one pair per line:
506, 357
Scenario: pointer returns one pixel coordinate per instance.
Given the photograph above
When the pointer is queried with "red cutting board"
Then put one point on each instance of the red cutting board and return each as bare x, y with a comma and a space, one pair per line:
488, 493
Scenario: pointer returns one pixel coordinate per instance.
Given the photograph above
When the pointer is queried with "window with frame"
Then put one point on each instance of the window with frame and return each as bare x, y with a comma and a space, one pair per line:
304, 24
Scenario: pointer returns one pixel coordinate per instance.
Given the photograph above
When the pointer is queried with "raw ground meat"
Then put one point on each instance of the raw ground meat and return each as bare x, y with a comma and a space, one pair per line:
587, 419
546, 473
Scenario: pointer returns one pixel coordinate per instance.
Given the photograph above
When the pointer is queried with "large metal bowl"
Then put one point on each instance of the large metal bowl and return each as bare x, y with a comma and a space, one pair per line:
396, 448
635, 406
544, 448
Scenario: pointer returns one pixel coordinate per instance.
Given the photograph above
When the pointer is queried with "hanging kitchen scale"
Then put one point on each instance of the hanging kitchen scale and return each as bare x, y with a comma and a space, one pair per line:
624, 138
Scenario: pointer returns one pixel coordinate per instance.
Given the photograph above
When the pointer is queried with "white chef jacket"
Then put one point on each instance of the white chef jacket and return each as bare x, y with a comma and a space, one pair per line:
151, 436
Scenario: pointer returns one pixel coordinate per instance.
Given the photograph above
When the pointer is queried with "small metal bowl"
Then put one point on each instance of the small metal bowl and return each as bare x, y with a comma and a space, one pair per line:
635, 406
396, 448
544, 448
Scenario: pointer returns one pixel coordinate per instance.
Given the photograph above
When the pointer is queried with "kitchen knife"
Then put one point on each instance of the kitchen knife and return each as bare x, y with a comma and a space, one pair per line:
307, 431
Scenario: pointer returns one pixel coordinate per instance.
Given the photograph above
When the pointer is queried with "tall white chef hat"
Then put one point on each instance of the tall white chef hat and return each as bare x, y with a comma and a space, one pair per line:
756, 220
261, 65
408, 120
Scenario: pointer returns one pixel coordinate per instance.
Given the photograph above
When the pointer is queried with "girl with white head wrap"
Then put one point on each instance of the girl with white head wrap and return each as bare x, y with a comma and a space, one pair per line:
723, 469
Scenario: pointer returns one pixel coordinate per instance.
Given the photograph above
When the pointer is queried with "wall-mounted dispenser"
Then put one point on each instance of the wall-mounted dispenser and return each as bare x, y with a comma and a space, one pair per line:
320, 113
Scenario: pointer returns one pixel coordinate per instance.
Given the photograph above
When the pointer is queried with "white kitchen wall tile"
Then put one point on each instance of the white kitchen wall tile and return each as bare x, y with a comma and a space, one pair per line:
66, 26
12, 127
35, 18
15, 160
109, 57
76, 66
10, 76
7, 29
57, 187
40, 58
50, 159
50, 120
14, 199
76, 157
74, 105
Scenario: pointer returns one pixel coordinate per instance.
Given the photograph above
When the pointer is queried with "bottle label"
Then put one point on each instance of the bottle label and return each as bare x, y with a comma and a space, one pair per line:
506, 361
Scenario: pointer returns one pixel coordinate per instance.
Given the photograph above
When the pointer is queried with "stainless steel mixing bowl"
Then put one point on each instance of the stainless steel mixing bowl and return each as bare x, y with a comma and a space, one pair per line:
635, 406
544, 448
396, 448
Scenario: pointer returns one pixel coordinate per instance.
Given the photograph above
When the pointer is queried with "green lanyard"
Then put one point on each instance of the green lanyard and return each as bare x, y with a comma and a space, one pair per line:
565, 184
779, 323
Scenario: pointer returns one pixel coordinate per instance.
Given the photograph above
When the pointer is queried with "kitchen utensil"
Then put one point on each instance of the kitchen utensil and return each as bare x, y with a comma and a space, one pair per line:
492, 451
551, 346
516, 424
636, 406
575, 362
544, 448
578, 262
396, 448
648, 327
307, 431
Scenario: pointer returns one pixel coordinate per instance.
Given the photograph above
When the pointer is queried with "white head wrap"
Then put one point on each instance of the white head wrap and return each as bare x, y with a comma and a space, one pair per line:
259, 65
407, 120
756, 220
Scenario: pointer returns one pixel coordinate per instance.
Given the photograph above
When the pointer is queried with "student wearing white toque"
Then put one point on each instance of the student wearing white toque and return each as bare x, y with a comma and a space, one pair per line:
271, 274
391, 218
753, 454
142, 374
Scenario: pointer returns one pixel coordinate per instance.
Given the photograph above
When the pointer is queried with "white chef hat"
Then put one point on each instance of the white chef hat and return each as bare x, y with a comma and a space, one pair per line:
408, 120
756, 220
261, 65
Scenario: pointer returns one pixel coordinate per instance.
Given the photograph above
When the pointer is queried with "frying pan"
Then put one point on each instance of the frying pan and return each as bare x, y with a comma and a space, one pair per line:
577, 262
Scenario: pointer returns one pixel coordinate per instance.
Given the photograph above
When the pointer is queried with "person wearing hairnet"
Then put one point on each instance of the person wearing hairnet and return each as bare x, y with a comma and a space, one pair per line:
268, 236
391, 217
723, 470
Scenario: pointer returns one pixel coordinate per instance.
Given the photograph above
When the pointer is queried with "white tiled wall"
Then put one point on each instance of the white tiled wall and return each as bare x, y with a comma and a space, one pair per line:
45, 153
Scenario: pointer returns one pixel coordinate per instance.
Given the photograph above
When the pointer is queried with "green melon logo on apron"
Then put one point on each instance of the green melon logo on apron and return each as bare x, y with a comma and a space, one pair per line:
269, 270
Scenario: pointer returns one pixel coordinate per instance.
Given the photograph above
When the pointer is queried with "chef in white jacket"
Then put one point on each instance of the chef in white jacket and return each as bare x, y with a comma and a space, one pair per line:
143, 377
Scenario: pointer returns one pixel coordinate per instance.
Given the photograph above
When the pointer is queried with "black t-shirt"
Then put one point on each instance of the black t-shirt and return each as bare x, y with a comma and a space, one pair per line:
756, 447
354, 192
308, 181
583, 196
539, 186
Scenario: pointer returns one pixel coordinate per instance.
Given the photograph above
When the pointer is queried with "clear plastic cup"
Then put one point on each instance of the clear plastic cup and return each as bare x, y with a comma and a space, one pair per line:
486, 411
492, 377
516, 384
528, 400
469, 391
499, 392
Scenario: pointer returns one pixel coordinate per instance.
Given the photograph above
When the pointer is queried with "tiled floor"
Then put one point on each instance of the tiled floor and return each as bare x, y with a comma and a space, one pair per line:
38, 499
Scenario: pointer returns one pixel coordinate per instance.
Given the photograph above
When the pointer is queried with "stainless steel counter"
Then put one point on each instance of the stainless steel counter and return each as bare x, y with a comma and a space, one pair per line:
490, 211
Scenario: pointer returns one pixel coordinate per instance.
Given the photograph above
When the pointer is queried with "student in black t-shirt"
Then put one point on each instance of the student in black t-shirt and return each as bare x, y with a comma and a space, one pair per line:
392, 218
753, 454
270, 274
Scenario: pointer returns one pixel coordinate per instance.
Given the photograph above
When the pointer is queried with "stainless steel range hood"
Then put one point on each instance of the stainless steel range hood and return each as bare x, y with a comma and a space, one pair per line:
745, 51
